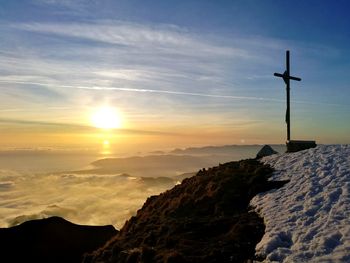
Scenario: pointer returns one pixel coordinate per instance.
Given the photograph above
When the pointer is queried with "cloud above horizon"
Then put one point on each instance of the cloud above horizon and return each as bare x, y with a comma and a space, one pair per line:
176, 72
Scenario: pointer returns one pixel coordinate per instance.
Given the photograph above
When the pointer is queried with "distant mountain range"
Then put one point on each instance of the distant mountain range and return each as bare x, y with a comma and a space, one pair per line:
150, 165
227, 149
175, 162
245, 151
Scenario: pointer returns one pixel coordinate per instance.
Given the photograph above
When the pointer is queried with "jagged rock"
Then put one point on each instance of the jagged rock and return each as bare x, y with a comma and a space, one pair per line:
51, 240
204, 219
266, 150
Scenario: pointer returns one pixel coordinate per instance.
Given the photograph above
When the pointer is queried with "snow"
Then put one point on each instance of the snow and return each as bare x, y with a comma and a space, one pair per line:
308, 219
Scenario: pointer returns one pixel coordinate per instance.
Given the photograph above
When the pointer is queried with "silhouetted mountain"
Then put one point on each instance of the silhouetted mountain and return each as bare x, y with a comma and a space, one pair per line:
149, 161
51, 240
150, 165
204, 219
246, 151
178, 161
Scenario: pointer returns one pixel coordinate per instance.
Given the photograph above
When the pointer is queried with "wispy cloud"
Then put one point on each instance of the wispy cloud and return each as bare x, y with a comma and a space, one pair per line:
69, 4
110, 61
154, 73
72, 127
164, 55
163, 38
169, 92
172, 92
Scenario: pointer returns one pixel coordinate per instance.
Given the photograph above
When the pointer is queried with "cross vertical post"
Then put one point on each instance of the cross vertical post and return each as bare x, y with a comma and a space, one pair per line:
288, 95
287, 77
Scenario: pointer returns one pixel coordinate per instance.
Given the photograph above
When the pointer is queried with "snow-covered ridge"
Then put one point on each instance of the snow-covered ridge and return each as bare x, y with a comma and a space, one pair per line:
307, 220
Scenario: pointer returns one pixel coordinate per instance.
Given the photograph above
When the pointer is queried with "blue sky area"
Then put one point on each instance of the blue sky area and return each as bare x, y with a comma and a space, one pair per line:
201, 70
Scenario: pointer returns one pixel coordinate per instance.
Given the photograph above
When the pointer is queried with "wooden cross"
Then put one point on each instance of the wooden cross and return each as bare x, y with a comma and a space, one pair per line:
287, 77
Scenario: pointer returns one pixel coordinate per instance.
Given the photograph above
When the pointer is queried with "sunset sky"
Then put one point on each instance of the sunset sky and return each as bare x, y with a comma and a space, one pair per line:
175, 73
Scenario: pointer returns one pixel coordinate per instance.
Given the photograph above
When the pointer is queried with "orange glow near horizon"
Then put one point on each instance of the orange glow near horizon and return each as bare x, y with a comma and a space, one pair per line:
106, 147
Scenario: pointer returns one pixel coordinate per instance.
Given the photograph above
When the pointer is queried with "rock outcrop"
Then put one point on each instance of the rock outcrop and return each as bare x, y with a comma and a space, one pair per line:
204, 219
51, 240
266, 150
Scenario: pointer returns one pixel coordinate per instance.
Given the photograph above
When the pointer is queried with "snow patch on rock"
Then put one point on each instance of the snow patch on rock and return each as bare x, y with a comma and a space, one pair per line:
307, 220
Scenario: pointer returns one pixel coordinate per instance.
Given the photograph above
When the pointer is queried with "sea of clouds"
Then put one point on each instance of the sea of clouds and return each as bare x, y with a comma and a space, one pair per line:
82, 199
37, 185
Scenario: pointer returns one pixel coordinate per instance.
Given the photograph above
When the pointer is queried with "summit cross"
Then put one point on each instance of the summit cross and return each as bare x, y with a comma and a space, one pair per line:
287, 77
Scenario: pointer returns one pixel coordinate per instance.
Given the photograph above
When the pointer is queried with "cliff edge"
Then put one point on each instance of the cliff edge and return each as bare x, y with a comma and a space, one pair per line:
206, 218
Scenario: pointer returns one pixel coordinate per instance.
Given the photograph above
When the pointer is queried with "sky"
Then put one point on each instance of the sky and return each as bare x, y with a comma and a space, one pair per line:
179, 73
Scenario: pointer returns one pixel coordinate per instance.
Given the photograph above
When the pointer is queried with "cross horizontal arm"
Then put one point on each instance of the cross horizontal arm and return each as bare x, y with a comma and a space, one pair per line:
295, 78
285, 76
278, 75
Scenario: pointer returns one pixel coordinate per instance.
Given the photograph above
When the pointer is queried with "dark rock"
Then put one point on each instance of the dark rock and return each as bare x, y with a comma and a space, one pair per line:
204, 219
51, 240
296, 146
266, 150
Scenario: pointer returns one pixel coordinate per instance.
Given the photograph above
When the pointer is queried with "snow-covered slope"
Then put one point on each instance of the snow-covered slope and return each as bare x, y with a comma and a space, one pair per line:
307, 220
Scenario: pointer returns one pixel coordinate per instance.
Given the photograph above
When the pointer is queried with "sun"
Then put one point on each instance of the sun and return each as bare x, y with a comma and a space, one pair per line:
106, 118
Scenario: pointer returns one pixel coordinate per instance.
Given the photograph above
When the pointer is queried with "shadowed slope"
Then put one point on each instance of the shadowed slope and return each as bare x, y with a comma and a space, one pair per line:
51, 240
204, 219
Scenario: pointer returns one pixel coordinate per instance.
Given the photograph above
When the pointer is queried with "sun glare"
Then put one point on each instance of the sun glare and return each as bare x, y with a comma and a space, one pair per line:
106, 118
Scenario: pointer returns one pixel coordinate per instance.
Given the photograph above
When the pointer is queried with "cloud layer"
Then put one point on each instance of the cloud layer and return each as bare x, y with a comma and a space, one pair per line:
84, 199
107, 193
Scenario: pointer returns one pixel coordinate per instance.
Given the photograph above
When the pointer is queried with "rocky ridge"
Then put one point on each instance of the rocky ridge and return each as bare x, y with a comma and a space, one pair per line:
206, 218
